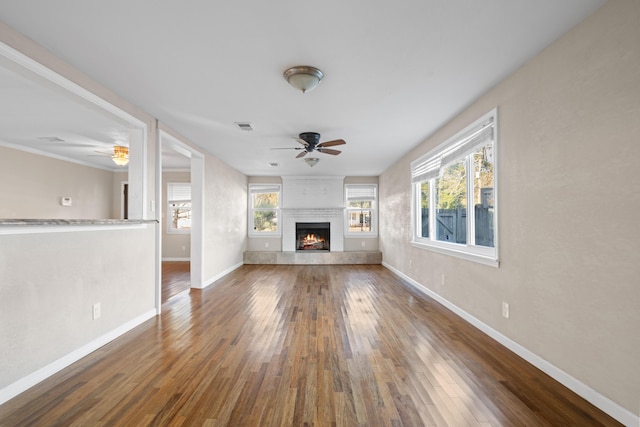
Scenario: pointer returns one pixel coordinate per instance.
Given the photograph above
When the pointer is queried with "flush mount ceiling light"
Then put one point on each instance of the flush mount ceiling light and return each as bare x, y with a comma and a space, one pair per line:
303, 77
120, 155
312, 161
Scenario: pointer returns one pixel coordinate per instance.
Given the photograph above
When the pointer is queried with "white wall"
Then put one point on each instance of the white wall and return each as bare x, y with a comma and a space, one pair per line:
569, 198
33, 184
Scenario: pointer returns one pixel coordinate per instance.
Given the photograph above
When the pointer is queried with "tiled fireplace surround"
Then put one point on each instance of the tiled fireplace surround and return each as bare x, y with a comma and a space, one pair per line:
312, 199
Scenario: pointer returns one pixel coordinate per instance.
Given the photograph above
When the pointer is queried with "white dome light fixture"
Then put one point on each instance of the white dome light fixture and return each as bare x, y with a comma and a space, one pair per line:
303, 77
312, 161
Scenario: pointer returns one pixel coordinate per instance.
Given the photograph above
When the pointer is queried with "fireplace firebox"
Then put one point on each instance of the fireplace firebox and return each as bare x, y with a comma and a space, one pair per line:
313, 236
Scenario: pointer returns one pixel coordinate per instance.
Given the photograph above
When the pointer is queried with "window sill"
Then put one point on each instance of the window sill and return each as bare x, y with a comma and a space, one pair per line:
360, 235
489, 260
270, 235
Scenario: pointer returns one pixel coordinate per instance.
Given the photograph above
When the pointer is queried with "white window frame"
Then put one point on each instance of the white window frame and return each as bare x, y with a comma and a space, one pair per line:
426, 168
373, 209
264, 188
170, 208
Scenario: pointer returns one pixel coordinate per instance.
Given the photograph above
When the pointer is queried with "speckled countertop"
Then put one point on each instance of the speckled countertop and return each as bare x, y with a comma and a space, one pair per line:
50, 222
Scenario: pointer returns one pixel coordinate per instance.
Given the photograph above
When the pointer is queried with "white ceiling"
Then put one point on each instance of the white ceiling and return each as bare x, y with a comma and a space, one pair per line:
394, 71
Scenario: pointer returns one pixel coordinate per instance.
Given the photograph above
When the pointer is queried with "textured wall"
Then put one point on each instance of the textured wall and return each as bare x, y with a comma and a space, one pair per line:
225, 217
569, 197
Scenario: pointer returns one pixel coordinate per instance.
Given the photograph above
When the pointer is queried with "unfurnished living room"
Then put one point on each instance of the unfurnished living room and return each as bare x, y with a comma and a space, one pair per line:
365, 213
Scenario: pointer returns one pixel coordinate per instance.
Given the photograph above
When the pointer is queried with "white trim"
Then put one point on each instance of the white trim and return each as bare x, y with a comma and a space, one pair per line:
176, 259
218, 276
23, 384
465, 253
590, 395
45, 229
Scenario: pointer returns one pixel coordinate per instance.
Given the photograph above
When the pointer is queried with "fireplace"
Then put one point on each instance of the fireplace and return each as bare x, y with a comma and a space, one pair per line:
312, 236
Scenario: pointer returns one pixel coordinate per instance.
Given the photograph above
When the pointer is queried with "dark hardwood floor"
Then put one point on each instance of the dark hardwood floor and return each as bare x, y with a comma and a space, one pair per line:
301, 346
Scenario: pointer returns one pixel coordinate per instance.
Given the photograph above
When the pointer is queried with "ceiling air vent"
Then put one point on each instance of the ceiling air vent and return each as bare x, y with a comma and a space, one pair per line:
246, 126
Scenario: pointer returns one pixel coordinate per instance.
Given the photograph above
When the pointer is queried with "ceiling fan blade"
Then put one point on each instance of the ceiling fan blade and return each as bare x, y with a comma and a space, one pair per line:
332, 143
329, 151
302, 141
287, 148
304, 153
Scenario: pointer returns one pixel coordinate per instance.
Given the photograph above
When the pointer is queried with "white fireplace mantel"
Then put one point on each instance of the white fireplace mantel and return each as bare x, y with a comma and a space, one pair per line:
312, 199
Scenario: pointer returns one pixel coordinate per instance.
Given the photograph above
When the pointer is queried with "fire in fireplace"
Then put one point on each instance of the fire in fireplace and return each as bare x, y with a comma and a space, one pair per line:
312, 236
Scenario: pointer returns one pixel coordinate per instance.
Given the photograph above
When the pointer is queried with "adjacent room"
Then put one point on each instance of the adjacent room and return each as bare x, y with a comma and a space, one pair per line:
363, 213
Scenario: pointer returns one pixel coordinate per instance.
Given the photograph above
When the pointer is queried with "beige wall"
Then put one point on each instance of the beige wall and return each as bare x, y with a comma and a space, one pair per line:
569, 198
174, 246
32, 186
50, 282
225, 218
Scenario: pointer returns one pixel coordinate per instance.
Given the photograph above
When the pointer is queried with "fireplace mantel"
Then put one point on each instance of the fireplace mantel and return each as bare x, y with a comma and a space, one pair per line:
312, 192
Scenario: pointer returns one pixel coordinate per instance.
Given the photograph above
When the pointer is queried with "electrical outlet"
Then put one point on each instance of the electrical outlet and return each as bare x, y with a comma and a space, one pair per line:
266, 244
96, 311
505, 310
442, 280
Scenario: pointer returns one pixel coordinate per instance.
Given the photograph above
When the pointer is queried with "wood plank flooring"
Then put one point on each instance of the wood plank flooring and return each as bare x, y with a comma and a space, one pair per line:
176, 278
277, 345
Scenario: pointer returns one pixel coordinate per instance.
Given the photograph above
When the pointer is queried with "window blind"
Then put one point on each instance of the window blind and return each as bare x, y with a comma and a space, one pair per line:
178, 191
267, 188
429, 165
359, 193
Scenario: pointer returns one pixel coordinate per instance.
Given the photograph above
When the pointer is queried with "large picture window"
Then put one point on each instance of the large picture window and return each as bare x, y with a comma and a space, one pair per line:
454, 188
361, 209
264, 202
178, 207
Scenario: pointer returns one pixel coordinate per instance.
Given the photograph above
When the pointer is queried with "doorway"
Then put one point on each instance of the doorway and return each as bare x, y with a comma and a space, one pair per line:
181, 267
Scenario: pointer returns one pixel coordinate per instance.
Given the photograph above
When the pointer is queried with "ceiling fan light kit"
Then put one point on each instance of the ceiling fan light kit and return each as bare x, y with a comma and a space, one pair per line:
120, 155
303, 77
312, 161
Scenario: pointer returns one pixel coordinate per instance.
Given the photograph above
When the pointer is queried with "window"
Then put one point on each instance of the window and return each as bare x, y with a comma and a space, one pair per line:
264, 205
454, 207
178, 207
360, 202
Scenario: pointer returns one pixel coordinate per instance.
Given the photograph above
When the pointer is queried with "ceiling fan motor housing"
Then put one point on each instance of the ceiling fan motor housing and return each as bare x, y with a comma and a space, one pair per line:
312, 138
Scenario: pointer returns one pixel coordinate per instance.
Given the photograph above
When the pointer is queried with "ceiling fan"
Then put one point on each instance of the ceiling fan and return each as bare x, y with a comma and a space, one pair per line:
120, 155
311, 142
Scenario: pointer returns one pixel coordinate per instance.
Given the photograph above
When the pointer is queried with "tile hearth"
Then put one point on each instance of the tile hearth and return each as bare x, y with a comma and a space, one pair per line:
360, 257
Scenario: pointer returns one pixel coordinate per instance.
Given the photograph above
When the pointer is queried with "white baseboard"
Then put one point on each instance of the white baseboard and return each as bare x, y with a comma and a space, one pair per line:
590, 395
221, 275
176, 259
23, 384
